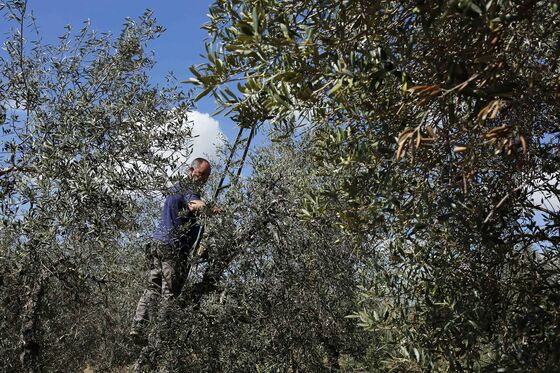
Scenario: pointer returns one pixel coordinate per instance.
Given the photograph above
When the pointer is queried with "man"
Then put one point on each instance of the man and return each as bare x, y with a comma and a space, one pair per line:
172, 242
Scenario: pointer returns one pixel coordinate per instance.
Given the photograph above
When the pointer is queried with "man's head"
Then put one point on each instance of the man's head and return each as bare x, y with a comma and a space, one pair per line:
199, 171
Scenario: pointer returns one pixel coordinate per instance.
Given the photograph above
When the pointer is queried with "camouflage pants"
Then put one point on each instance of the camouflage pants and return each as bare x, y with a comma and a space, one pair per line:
168, 271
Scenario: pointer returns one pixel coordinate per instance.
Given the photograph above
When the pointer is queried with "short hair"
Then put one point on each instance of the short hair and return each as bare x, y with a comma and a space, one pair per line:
198, 162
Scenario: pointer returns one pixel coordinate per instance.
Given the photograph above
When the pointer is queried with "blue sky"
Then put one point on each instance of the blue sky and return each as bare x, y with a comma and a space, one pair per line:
178, 48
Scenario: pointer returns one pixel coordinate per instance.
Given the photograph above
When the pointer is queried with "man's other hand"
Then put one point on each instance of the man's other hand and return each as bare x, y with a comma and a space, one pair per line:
215, 210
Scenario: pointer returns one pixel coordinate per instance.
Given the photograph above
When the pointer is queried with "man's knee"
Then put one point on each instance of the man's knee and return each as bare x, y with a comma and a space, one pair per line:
154, 278
174, 276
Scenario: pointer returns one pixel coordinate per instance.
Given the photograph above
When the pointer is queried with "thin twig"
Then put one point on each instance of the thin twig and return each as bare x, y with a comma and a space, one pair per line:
501, 203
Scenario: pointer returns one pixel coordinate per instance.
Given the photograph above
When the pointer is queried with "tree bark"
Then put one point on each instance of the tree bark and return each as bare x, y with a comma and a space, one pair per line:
30, 355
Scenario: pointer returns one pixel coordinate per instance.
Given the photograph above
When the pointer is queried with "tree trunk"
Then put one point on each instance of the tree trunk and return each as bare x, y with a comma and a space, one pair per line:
333, 355
30, 355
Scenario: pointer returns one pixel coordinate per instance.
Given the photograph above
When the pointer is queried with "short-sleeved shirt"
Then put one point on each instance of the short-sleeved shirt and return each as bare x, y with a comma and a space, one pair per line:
176, 218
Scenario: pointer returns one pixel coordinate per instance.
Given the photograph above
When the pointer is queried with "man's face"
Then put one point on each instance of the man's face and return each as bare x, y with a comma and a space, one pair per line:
201, 173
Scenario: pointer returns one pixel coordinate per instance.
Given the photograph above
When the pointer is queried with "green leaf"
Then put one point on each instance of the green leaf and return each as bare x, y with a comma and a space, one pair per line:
195, 72
416, 354
336, 87
203, 93
255, 18
192, 81
475, 8
285, 31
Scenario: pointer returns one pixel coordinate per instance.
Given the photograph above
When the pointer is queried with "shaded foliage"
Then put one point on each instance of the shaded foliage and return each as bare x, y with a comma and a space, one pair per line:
434, 130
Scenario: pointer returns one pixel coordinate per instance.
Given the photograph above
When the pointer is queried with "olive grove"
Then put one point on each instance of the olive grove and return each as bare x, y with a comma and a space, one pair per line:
87, 149
403, 217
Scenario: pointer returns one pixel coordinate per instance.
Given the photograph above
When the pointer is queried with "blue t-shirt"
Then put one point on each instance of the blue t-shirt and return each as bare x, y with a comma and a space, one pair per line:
173, 228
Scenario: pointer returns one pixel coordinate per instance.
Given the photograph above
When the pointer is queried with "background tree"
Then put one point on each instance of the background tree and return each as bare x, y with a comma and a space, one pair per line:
86, 140
434, 126
82, 159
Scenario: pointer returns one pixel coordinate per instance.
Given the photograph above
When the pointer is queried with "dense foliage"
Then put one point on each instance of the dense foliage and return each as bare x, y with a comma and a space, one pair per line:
406, 220
434, 130
284, 288
81, 181
86, 139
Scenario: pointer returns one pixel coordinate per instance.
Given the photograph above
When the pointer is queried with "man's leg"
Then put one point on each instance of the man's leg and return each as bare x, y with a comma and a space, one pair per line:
174, 273
149, 297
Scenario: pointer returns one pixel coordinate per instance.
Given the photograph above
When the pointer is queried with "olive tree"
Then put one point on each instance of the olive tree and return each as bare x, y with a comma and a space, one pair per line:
86, 141
274, 294
435, 134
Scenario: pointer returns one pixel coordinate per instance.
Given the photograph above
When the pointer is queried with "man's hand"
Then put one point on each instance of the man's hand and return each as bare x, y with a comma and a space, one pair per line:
197, 205
215, 210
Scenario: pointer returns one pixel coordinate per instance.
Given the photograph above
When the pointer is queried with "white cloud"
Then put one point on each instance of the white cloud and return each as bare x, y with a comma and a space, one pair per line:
208, 135
545, 192
206, 138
